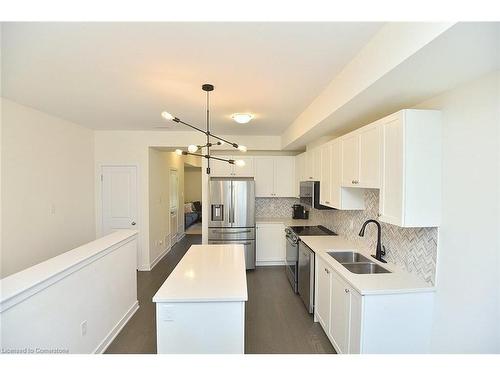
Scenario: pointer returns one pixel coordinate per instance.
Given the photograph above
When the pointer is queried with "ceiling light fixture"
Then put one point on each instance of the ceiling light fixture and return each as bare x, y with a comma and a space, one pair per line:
242, 118
220, 141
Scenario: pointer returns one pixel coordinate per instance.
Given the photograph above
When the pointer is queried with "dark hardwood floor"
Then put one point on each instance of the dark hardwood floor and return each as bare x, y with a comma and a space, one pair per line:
276, 319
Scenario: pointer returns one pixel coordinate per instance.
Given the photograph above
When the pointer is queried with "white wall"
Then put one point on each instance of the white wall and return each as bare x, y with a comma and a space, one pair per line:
467, 314
132, 147
47, 186
160, 232
95, 283
192, 184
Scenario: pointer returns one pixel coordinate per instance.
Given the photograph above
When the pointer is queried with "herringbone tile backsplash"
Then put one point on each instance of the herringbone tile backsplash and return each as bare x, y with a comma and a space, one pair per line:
414, 249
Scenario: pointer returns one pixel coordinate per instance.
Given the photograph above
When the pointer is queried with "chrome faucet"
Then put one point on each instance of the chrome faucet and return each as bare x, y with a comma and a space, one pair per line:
380, 249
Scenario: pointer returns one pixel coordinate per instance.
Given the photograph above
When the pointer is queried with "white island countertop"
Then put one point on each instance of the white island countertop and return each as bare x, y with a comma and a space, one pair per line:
398, 281
207, 273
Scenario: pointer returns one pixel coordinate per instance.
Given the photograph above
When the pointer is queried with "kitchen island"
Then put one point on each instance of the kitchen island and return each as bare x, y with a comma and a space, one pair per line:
200, 308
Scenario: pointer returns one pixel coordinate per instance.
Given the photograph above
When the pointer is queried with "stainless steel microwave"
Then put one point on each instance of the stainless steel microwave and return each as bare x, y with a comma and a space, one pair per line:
309, 195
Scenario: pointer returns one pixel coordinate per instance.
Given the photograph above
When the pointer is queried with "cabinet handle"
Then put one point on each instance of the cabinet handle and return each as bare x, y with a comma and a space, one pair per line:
327, 202
346, 290
326, 270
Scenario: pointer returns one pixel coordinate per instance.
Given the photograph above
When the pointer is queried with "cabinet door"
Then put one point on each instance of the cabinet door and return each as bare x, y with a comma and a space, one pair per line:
309, 166
247, 170
325, 175
323, 293
316, 167
340, 313
300, 165
221, 168
336, 175
264, 176
284, 176
270, 244
391, 199
350, 160
369, 157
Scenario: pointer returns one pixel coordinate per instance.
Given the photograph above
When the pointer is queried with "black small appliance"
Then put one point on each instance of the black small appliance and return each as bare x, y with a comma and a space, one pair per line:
299, 212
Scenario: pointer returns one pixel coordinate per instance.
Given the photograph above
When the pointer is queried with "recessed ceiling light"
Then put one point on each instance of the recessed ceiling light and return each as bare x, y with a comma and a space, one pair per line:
242, 118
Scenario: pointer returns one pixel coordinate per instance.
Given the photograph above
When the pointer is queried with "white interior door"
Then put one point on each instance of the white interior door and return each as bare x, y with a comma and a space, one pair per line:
174, 204
119, 198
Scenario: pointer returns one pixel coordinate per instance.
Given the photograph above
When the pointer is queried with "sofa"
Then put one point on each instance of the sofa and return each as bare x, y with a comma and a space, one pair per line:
192, 213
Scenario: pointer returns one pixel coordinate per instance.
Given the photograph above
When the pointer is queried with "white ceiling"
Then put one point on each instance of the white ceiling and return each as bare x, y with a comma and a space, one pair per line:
122, 75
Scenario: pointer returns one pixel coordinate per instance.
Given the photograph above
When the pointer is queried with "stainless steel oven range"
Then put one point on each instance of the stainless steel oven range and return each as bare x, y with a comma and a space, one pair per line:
292, 258
300, 265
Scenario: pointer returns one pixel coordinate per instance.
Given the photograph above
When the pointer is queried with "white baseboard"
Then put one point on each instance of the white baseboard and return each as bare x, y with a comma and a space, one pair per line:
264, 263
159, 257
117, 328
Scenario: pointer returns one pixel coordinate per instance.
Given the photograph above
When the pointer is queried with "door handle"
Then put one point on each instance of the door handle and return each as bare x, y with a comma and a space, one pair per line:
228, 232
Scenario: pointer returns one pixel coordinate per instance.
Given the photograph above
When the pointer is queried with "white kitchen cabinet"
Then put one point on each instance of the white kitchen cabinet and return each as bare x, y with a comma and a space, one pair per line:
325, 188
300, 171
410, 194
224, 169
313, 164
373, 323
284, 176
264, 177
270, 244
221, 168
323, 284
370, 151
274, 176
247, 170
340, 313
350, 160
361, 152
332, 194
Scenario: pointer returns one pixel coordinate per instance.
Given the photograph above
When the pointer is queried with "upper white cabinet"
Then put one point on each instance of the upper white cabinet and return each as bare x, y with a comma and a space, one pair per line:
274, 176
224, 169
284, 176
300, 171
370, 152
332, 194
247, 170
325, 187
350, 160
221, 168
312, 169
361, 157
410, 195
264, 177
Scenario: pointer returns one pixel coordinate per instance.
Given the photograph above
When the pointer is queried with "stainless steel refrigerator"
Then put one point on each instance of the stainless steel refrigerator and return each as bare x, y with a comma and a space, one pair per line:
232, 214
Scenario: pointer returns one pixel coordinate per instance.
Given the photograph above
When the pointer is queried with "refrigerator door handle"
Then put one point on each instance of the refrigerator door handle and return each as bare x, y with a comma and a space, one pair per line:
225, 231
231, 209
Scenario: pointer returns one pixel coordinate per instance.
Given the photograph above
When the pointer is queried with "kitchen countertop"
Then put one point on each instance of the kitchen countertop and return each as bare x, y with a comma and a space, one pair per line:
288, 221
207, 273
398, 281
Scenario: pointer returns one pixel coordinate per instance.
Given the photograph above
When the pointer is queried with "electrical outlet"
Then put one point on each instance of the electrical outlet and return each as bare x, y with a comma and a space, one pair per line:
52, 209
83, 328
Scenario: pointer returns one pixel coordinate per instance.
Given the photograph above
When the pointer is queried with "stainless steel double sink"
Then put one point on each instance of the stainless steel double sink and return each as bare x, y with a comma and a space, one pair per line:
357, 263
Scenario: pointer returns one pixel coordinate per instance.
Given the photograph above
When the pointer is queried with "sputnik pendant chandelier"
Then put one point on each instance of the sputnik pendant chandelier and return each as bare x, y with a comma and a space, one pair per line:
192, 149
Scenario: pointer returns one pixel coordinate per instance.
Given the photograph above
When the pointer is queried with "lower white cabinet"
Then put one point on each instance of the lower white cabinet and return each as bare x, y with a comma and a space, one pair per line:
373, 323
323, 293
270, 244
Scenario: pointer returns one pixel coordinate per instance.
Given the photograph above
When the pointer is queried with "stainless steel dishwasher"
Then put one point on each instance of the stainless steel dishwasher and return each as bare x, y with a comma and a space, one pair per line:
306, 276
